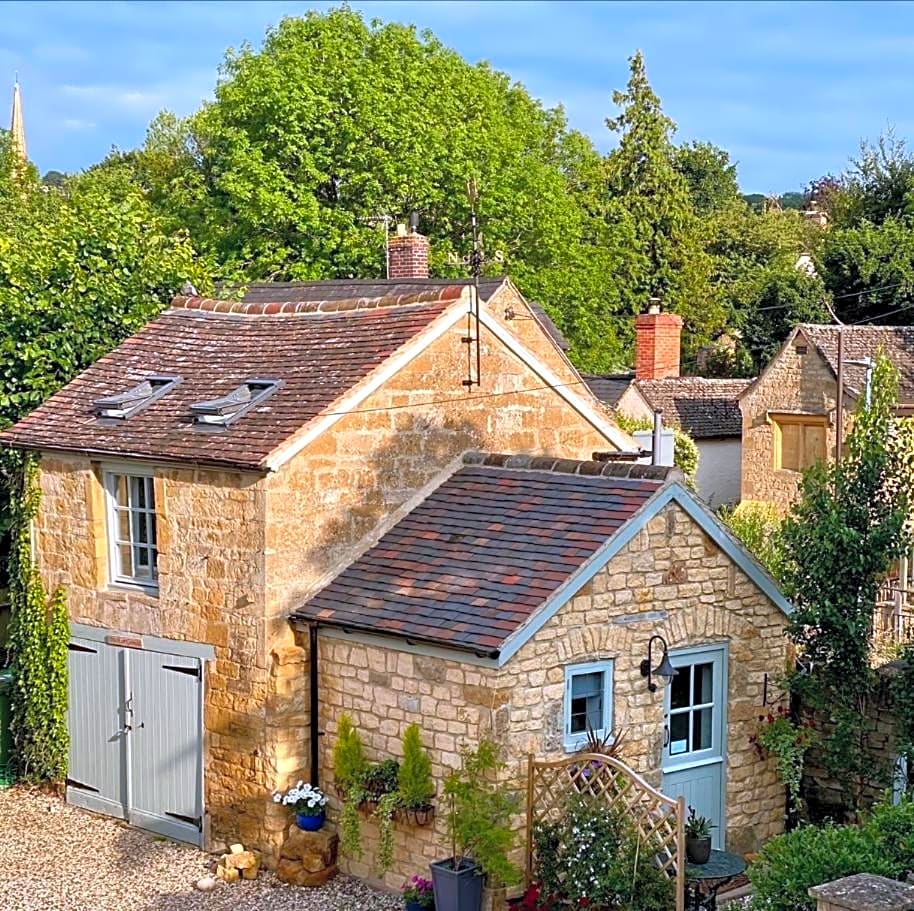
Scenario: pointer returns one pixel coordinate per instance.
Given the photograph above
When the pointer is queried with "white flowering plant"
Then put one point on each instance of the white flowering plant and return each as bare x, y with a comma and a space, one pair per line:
304, 799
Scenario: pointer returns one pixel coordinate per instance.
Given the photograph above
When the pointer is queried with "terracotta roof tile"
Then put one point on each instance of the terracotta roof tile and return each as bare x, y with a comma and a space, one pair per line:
315, 355
479, 556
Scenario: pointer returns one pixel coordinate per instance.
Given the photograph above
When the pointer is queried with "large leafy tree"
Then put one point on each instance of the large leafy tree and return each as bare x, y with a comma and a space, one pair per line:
335, 122
838, 543
668, 260
710, 175
755, 273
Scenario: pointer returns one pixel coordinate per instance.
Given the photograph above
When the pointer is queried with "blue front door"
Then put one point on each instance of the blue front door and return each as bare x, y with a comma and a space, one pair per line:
693, 736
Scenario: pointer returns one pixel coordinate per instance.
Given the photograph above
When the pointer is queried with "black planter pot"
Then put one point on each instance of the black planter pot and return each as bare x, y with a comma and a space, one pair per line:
457, 888
698, 850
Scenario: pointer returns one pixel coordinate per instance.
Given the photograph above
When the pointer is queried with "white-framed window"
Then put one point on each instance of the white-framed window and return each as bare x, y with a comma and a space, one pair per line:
588, 702
132, 539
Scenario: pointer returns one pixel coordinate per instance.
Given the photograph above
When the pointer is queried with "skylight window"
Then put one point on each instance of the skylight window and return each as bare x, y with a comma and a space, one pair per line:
225, 410
124, 404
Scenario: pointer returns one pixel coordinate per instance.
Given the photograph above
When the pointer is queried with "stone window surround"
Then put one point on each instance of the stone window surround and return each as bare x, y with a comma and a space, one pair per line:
573, 742
803, 418
110, 472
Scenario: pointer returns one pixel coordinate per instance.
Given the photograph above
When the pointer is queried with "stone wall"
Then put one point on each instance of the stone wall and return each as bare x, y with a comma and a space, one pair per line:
673, 580
238, 552
827, 795
338, 493
669, 579
211, 589
793, 382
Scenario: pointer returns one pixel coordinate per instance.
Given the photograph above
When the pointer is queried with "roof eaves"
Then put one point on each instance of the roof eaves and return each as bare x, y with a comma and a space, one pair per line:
305, 620
116, 455
703, 517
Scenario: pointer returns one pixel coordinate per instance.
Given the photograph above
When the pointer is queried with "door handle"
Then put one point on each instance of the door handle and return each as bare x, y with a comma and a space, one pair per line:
666, 736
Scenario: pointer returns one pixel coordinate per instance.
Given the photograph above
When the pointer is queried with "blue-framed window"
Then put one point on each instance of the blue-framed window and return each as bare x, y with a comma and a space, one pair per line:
588, 702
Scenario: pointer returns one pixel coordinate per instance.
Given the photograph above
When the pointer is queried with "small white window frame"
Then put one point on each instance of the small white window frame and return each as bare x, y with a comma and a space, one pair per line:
110, 474
574, 742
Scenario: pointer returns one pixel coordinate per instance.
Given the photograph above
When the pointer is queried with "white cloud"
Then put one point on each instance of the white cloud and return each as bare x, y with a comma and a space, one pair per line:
127, 99
74, 124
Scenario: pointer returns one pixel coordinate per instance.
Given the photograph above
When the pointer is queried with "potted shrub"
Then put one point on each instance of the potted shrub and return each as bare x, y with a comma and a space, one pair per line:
348, 757
479, 824
418, 894
308, 804
698, 838
374, 793
415, 779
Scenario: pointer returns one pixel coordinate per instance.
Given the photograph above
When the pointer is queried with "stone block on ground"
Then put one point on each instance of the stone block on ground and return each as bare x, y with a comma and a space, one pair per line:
293, 873
308, 858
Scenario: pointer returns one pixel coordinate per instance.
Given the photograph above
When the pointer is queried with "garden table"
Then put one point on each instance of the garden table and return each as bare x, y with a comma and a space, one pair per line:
703, 881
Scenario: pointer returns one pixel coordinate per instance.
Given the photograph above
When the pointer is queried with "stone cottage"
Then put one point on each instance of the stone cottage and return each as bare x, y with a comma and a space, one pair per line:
201, 481
706, 409
790, 412
518, 599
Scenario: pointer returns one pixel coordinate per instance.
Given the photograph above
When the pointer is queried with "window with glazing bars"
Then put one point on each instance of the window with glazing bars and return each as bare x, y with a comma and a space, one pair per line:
132, 529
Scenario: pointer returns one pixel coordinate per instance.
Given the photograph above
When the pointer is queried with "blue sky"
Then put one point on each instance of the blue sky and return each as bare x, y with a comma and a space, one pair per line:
789, 89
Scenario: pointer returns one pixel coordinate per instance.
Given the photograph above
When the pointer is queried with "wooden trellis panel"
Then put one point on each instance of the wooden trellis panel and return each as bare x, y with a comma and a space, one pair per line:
657, 819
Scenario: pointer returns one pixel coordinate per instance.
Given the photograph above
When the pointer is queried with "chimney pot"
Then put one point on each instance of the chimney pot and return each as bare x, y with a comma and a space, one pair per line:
401, 229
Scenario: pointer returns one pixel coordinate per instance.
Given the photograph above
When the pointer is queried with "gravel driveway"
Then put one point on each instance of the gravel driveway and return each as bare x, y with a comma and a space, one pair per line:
56, 858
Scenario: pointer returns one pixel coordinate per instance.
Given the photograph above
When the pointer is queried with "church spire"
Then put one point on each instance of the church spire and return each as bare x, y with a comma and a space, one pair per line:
17, 126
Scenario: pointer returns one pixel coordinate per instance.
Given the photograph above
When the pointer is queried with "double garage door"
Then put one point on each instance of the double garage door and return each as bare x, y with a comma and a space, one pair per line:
136, 735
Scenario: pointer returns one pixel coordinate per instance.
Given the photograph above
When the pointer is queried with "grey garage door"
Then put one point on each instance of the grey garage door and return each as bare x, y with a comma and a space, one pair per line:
136, 737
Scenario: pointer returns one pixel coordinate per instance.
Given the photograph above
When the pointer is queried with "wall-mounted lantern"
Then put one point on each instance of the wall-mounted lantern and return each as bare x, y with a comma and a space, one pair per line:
664, 671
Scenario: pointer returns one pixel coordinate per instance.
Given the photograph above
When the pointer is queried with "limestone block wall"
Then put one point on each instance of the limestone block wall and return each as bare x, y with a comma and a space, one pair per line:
793, 382
384, 691
211, 589
670, 579
340, 488
673, 580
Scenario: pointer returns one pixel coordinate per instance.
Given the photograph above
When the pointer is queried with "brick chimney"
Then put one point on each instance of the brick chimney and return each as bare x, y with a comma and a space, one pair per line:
657, 340
407, 254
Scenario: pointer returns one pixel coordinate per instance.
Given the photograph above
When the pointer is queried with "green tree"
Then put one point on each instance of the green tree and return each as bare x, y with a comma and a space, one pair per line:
756, 278
668, 259
710, 175
838, 543
869, 269
335, 122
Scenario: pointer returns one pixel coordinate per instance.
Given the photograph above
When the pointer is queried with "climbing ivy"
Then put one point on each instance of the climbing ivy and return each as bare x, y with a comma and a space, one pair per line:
39, 633
851, 523
902, 692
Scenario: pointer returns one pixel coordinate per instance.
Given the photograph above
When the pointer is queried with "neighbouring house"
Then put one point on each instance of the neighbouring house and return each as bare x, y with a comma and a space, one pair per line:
789, 412
202, 480
518, 599
706, 409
